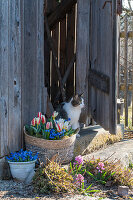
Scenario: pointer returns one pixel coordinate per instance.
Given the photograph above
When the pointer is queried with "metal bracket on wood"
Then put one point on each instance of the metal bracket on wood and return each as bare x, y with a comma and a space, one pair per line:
105, 3
119, 7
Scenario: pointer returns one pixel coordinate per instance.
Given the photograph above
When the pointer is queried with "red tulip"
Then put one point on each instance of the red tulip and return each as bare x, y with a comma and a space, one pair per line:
39, 115
33, 122
43, 119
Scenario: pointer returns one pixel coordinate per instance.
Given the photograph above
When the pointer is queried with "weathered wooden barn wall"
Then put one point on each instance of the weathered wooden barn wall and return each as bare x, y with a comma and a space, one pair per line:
103, 63
22, 92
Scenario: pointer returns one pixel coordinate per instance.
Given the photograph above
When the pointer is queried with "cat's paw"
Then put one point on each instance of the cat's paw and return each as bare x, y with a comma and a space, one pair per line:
77, 135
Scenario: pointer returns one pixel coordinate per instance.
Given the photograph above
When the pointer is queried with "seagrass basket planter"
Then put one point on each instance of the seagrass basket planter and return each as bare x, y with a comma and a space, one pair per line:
64, 148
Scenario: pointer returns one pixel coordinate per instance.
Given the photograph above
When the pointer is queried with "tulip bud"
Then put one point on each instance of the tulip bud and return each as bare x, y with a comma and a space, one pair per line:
48, 125
33, 122
38, 120
59, 127
39, 115
43, 119
54, 114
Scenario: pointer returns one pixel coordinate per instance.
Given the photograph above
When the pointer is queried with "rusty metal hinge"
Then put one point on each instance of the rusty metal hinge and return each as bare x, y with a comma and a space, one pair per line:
119, 7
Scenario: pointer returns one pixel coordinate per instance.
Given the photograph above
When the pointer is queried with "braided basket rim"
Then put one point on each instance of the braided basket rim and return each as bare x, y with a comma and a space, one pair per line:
50, 144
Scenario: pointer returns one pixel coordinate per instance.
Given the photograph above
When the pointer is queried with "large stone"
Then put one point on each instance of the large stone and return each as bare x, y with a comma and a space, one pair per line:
94, 137
122, 151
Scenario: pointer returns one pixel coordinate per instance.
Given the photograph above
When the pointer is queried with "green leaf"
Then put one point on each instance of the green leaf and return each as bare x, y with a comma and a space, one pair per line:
93, 191
88, 188
89, 173
82, 185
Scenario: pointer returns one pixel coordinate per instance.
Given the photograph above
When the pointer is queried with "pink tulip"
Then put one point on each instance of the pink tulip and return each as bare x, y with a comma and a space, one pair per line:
39, 115
43, 119
48, 125
33, 122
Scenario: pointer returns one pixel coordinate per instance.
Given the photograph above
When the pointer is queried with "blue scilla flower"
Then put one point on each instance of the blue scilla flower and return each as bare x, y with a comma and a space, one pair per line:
69, 119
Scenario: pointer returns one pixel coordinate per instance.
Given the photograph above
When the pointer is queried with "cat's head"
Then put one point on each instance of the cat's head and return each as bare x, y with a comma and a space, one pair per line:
77, 100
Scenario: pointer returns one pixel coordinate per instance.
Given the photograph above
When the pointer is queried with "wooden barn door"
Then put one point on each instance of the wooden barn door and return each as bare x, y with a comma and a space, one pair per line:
97, 59
103, 63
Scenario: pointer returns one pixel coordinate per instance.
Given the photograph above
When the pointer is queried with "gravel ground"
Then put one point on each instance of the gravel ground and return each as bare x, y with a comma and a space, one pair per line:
13, 190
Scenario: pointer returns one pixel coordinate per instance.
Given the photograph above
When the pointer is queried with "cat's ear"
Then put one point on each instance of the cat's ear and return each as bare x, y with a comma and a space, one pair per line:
80, 95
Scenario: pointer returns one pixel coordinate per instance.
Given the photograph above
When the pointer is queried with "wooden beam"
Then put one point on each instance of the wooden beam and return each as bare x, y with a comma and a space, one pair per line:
66, 75
126, 70
54, 56
99, 80
60, 12
129, 34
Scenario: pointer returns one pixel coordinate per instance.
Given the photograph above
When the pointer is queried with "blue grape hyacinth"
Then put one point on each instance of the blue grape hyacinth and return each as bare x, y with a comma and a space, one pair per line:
22, 156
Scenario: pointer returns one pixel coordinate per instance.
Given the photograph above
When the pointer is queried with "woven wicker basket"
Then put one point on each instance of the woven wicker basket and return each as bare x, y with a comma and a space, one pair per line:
48, 148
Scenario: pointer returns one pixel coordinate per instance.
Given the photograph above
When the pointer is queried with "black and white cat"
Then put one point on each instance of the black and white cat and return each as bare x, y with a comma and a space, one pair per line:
71, 110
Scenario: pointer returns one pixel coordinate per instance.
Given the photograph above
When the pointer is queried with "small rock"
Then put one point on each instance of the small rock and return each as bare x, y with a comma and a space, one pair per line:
123, 190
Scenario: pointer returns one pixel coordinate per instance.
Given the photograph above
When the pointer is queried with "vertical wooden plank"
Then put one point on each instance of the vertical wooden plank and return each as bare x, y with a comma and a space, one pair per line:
62, 48
82, 55
4, 77
42, 91
54, 75
48, 9
33, 62
70, 51
126, 71
113, 97
132, 75
14, 104
103, 60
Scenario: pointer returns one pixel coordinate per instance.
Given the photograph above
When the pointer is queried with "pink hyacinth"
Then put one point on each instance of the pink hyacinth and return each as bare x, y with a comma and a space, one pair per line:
80, 178
79, 160
100, 167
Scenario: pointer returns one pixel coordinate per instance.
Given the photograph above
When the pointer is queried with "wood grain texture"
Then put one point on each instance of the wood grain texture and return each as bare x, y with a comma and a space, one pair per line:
14, 70
126, 71
82, 55
33, 64
103, 41
3, 77
22, 90
70, 43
